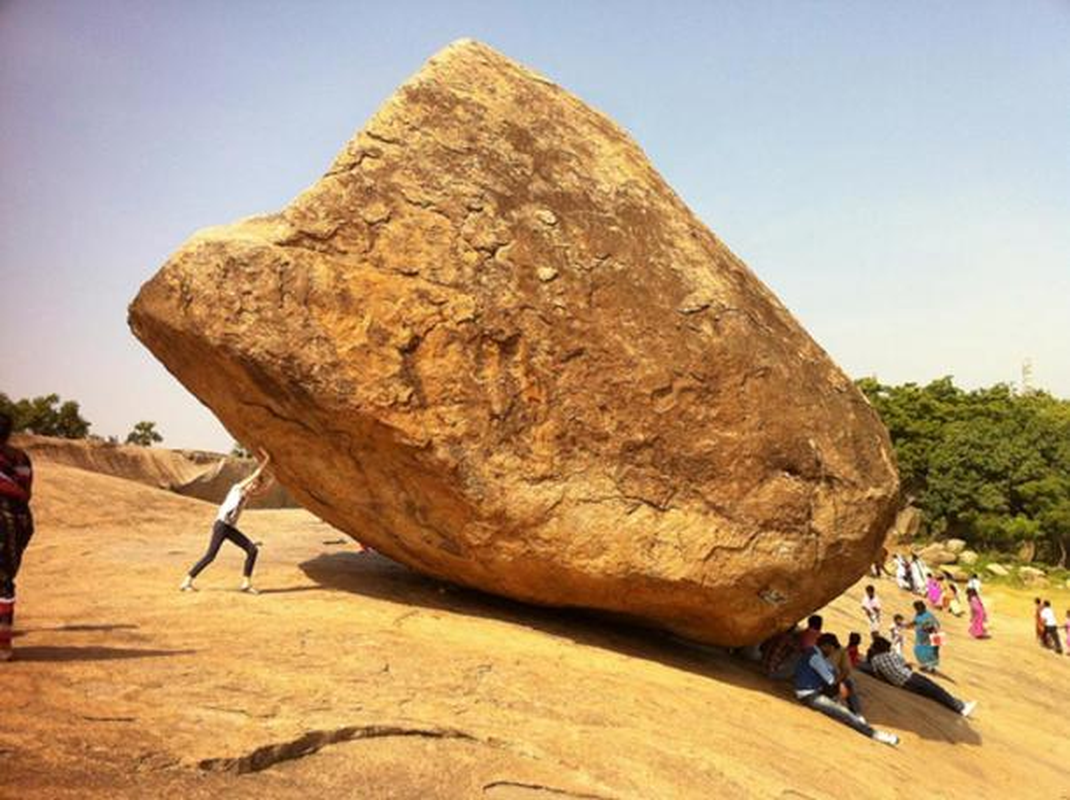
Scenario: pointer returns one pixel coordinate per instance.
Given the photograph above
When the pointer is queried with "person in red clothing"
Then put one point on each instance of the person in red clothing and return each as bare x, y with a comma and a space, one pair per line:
16, 527
854, 641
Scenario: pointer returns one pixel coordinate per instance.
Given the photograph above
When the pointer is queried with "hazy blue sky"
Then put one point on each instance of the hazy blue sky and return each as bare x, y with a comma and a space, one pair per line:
897, 172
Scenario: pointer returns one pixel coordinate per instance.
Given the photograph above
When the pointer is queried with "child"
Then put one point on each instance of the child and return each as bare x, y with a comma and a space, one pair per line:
899, 625
871, 605
951, 599
855, 639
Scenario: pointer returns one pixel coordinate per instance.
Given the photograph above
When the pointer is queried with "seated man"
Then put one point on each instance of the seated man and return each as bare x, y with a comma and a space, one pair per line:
816, 686
890, 666
808, 638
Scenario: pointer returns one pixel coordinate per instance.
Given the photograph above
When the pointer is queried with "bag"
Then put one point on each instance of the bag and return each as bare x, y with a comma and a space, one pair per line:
937, 638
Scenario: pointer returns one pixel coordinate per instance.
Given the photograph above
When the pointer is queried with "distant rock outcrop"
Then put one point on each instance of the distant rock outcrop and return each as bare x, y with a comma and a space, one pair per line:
193, 473
492, 343
152, 466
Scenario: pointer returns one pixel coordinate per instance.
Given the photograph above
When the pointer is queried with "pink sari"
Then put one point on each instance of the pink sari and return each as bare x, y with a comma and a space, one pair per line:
978, 617
935, 593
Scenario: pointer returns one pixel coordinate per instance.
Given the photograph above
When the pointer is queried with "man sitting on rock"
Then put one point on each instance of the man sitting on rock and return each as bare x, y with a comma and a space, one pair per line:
890, 666
808, 638
816, 686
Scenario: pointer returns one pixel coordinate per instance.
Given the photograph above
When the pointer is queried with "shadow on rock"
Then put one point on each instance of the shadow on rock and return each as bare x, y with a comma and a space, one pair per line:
89, 653
373, 575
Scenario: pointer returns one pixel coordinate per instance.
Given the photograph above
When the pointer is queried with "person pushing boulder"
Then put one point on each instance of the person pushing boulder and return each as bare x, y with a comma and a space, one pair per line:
225, 526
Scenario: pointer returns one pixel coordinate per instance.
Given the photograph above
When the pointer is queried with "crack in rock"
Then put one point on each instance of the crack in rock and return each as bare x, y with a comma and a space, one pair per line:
537, 789
312, 742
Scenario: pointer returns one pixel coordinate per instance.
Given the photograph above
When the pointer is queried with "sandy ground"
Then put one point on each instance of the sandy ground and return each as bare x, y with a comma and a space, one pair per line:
350, 676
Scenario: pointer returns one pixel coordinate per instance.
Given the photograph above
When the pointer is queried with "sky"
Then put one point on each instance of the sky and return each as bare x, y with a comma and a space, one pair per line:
897, 173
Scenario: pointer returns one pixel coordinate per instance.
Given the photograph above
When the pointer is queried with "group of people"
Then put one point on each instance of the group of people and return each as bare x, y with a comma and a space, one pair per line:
913, 575
821, 667
1047, 626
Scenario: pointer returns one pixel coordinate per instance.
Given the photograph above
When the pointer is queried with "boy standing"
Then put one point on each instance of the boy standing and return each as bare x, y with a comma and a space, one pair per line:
871, 604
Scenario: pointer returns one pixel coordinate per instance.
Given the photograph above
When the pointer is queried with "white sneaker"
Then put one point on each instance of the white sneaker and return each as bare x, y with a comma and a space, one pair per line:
886, 738
968, 708
186, 585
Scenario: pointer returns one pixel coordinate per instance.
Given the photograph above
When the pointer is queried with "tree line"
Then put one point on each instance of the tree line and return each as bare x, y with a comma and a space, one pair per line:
48, 415
991, 466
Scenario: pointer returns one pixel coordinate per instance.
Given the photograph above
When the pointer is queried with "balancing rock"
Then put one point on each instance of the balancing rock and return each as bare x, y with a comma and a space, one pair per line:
492, 343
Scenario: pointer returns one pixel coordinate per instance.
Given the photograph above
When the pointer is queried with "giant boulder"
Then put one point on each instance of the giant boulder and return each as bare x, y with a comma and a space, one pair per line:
493, 343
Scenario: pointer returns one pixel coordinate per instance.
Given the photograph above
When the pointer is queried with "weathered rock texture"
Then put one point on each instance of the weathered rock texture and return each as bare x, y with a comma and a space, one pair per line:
492, 343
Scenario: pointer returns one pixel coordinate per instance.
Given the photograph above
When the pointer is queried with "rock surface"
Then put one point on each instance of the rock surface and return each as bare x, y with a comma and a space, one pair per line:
956, 573
1029, 573
492, 343
907, 525
998, 570
968, 558
938, 554
131, 696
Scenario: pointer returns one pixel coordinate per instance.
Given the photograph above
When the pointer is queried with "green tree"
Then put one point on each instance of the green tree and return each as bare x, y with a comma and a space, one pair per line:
46, 416
144, 434
991, 466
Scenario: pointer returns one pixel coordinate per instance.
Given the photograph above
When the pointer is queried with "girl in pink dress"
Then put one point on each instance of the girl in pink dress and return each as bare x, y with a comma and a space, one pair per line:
978, 616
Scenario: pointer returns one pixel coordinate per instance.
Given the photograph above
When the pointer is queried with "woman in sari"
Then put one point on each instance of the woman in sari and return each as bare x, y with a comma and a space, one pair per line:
934, 591
925, 625
978, 615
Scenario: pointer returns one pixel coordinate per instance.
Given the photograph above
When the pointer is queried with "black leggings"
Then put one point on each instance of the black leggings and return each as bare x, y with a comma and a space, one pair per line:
221, 531
919, 684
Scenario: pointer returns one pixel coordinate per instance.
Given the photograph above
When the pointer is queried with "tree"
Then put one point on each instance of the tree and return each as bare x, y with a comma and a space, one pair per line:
46, 416
144, 434
990, 466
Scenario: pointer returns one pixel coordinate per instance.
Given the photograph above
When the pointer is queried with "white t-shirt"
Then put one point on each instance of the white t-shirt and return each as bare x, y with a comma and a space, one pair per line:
872, 605
1047, 616
232, 507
